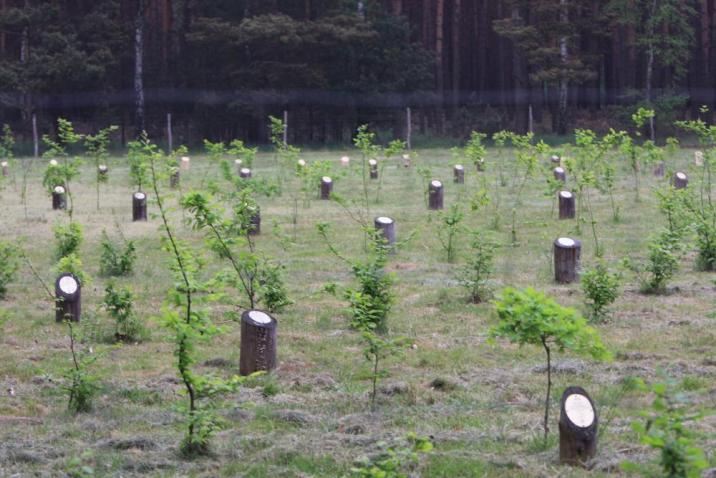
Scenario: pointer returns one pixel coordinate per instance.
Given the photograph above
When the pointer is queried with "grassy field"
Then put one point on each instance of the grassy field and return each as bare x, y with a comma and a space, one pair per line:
317, 420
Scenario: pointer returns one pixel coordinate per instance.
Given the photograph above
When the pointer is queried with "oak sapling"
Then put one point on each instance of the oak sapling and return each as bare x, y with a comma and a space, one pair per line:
66, 168
68, 239
80, 385
449, 224
664, 252
393, 461
97, 148
119, 303
9, 265
7, 146
116, 259
530, 317
377, 350
601, 289
475, 274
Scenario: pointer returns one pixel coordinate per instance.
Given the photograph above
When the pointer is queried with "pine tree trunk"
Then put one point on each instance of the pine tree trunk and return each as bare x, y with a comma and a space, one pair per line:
563, 82
138, 69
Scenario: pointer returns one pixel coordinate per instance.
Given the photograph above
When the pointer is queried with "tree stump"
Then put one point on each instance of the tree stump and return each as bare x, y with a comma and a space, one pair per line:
345, 161
326, 187
373, 164
559, 174
59, 198
680, 180
68, 298
435, 195
556, 159
258, 342
659, 169
386, 226
567, 253
185, 163
480, 164
301, 163
5, 169
567, 206
578, 427
458, 172
102, 170
406, 160
174, 178
255, 224
238, 163
139, 206
53, 162
245, 173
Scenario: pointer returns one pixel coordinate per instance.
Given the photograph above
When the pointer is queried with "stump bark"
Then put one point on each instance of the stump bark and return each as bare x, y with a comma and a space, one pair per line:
459, 174
326, 187
555, 159
103, 170
659, 169
185, 163
174, 179
680, 180
480, 165
386, 226
578, 427
435, 195
255, 225
373, 164
245, 173
567, 205
559, 174
68, 298
5, 169
139, 206
239, 164
567, 253
345, 161
406, 160
258, 342
59, 199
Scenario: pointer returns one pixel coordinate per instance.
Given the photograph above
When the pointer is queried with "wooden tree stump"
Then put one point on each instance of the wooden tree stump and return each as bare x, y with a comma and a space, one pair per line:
174, 179
53, 162
373, 165
386, 226
255, 226
555, 159
139, 206
659, 169
567, 205
245, 173
680, 180
458, 172
578, 427
258, 342
301, 163
480, 165
103, 170
59, 198
406, 160
559, 174
567, 253
68, 298
326, 187
345, 161
185, 163
238, 164
435, 195
5, 169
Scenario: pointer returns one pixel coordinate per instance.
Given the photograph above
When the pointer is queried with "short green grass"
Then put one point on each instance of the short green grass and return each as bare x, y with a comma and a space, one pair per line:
487, 423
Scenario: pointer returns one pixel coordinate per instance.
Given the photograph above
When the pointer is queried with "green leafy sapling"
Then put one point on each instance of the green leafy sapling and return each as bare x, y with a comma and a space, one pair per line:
80, 384
530, 317
138, 158
377, 349
67, 167
116, 259
665, 429
98, 149
7, 146
68, 239
119, 304
601, 288
9, 265
662, 262
475, 274
449, 229
393, 461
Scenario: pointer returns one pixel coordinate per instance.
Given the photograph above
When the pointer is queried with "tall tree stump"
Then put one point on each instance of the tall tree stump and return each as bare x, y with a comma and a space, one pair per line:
559, 174
59, 198
680, 180
386, 226
373, 165
406, 160
435, 195
245, 173
174, 178
255, 223
258, 342
238, 164
68, 298
139, 206
301, 163
5, 169
326, 187
185, 163
102, 170
480, 164
345, 161
567, 253
578, 427
659, 169
458, 172
555, 159
567, 205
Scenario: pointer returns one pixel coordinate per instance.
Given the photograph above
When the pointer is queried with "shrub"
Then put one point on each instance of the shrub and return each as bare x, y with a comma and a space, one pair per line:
68, 239
81, 387
72, 264
114, 260
9, 264
529, 317
393, 462
478, 268
119, 305
272, 290
601, 288
664, 251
